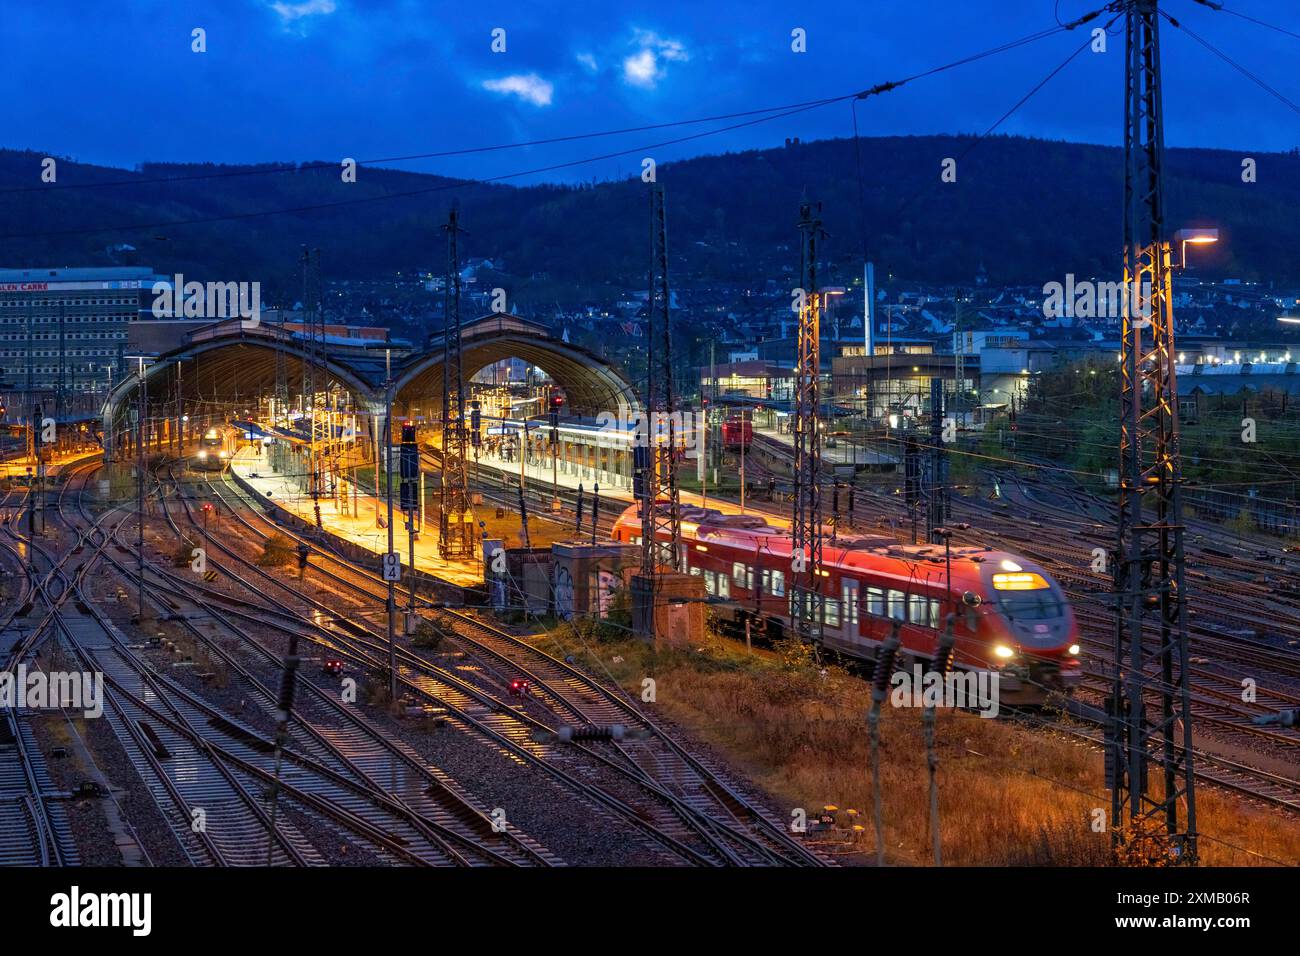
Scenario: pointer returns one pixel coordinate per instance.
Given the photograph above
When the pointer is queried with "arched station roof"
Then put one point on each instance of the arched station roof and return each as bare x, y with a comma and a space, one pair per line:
590, 384
233, 360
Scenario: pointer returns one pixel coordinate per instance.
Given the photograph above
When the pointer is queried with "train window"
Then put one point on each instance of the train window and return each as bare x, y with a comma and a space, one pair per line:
831, 612
697, 571
849, 594
774, 582
897, 605
724, 586
803, 605
1039, 605
876, 601
935, 616
742, 575
918, 613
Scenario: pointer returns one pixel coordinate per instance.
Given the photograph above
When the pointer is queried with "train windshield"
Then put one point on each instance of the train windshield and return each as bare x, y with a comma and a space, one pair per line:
1039, 605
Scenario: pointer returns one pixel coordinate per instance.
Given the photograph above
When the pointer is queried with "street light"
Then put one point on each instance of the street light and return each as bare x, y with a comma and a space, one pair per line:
1195, 236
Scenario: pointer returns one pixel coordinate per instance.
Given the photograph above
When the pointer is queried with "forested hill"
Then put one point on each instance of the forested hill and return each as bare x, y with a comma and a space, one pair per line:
1027, 210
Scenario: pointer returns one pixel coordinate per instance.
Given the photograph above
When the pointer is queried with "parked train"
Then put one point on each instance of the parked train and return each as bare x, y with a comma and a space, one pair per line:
213, 450
1010, 616
737, 433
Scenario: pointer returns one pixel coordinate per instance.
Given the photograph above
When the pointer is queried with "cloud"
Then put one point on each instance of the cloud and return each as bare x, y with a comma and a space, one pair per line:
642, 69
307, 8
527, 86
645, 67
588, 62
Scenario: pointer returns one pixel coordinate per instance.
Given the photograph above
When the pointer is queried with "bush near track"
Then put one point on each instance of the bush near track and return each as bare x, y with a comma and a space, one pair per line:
1009, 795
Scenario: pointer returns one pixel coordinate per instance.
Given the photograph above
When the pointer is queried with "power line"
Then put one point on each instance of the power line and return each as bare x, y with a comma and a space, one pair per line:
1220, 8
1005, 116
440, 154
1231, 62
771, 113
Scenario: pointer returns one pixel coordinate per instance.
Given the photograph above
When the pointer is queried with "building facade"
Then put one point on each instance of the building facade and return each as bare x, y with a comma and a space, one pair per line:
65, 330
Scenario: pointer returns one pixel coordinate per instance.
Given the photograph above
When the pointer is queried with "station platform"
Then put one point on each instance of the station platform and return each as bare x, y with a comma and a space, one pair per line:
539, 478
845, 453
253, 471
18, 467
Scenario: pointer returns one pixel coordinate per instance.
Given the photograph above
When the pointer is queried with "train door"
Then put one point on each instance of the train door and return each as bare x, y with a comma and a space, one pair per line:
849, 611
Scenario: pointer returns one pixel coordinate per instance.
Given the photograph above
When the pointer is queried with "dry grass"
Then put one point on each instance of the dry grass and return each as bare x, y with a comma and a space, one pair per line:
1008, 794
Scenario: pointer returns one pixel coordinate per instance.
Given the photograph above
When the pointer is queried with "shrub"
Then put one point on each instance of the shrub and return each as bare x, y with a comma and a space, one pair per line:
427, 635
277, 552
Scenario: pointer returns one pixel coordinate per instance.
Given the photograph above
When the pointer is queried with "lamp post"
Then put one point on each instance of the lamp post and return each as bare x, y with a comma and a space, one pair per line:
1194, 236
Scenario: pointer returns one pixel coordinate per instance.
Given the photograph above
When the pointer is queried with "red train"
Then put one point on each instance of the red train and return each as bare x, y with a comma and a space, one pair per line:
737, 433
1011, 617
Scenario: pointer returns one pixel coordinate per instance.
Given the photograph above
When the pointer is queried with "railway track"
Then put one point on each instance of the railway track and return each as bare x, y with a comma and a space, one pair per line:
333, 764
34, 827
704, 816
1225, 640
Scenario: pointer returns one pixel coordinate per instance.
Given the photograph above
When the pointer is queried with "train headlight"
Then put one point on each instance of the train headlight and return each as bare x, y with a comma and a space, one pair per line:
1074, 649
202, 455
222, 453
1004, 652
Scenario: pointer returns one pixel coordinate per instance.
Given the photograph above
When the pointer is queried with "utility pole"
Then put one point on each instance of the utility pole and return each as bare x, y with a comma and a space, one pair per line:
657, 457
1148, 562
310, 305
33, 489
389, 576
936, 511
806, 526
456, 515
142, 402
911, 480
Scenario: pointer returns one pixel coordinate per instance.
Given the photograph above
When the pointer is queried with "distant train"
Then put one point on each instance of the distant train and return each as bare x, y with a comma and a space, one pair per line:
737, 433
1010, 616
213, 451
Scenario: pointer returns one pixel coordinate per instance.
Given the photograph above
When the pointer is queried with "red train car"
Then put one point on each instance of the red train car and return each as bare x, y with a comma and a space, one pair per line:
1010, 616
737, 433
